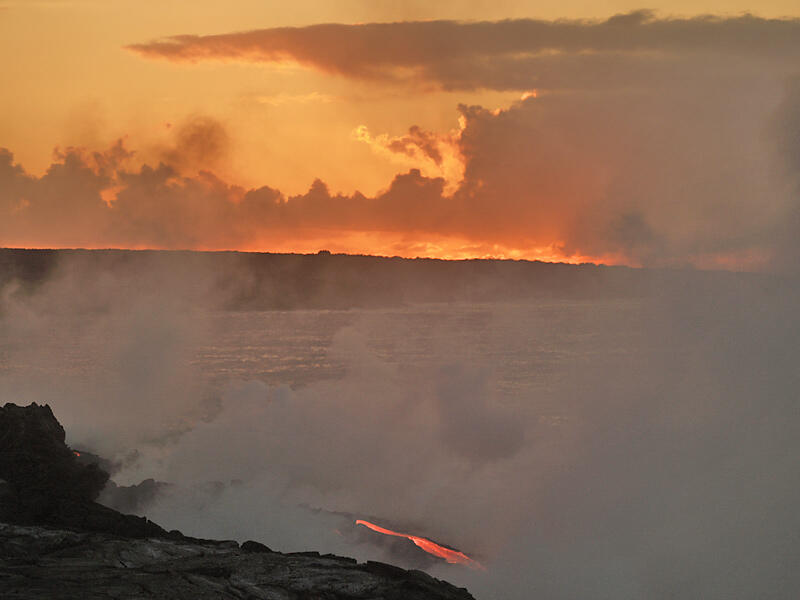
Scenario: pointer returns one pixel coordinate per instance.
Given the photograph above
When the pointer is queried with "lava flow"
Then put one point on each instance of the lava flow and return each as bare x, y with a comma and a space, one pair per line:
451, 556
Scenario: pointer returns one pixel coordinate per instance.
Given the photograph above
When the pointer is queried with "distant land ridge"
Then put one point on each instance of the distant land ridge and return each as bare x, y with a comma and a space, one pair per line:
264, 281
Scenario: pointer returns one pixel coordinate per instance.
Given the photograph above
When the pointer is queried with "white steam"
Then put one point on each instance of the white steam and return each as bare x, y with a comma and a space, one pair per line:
579, 449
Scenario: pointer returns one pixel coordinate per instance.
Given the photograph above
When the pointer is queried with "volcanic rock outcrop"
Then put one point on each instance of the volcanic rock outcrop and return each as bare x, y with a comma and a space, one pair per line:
44, 484
57, 542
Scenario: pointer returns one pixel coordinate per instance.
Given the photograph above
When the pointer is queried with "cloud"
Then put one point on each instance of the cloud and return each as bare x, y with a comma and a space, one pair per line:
436, 155
590, 178
626, 49
199, 143
699, 175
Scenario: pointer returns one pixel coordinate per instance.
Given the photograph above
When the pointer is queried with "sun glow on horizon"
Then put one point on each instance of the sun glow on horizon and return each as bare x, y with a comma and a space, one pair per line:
405, 245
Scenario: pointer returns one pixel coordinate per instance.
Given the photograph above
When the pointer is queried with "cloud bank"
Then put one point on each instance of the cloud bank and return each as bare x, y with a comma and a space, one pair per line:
701, 175
518, 54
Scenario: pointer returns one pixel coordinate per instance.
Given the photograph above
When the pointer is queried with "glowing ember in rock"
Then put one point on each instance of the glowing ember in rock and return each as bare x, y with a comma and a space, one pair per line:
451, 556
76, 453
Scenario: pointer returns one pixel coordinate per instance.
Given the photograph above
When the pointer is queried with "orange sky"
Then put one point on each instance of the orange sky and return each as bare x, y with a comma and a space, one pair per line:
72, 79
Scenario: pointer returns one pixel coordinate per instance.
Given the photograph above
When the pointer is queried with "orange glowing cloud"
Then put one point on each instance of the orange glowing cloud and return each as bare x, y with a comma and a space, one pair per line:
436, 155
105, 200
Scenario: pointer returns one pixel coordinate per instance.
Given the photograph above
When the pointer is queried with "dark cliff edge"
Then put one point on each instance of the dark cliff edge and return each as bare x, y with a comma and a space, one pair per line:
57, 542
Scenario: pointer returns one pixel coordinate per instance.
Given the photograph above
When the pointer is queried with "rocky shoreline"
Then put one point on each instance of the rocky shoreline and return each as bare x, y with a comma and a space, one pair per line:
57, 542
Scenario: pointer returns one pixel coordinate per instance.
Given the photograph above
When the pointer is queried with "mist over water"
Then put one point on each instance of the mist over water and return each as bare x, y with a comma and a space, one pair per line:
623, 447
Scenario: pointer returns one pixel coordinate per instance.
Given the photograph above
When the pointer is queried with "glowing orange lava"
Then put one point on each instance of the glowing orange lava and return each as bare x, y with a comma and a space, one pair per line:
451, 556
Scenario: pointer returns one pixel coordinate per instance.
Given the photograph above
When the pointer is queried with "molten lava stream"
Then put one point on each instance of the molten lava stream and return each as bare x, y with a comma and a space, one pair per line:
451, 556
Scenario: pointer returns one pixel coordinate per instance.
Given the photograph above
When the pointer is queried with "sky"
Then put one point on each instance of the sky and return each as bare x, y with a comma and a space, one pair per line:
572, 131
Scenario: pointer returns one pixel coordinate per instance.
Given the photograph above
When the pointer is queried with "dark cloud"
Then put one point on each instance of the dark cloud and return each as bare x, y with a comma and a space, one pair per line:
510, 54
199, 142
417, 140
